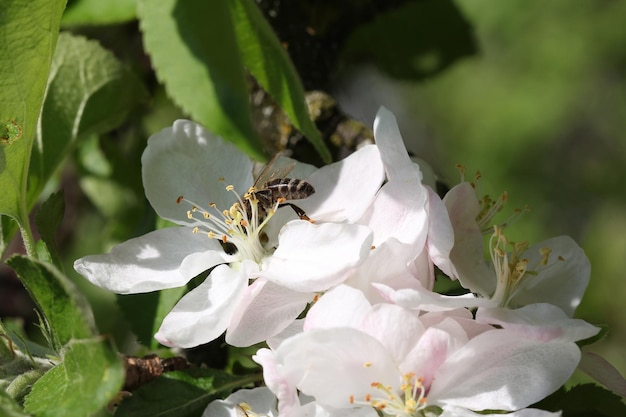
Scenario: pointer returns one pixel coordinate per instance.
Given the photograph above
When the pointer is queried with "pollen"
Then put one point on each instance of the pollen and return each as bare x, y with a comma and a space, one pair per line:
238, 225
406, 400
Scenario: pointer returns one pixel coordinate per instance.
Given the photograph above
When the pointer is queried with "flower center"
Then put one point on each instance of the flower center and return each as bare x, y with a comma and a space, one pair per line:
241, 225
244, 410
511, 268
411, 403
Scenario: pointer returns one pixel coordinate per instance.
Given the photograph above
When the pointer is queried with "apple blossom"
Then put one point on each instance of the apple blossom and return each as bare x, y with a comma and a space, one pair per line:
555, 271
387, 358
261, 402
410, 224
203, 184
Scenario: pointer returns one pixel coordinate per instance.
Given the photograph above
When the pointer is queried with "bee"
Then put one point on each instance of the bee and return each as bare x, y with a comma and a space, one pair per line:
272, 186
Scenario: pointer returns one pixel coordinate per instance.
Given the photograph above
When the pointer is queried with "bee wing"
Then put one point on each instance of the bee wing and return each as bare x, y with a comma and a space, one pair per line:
272, 170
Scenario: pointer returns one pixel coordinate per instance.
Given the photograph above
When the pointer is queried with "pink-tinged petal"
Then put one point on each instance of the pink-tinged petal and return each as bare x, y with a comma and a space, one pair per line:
293, 329
425, 300
440, 234
399, 211
398, 329
342, 306
162, 259
280, 380
187, 160
540, 321
398, 164
435, 345
312, 257
349, 358
462, 316
387, 264
602, 371
467, 254
344, 189
204, 313
478, 376
264, 311
562, 282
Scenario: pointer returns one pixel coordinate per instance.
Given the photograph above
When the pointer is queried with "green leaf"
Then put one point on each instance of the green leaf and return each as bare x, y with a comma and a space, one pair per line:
414, 41
67, 313
8, 406
28, 35
48, 219
194, 52
90, 375
89, 92
268, 61
145, 312
180, 393
98, 12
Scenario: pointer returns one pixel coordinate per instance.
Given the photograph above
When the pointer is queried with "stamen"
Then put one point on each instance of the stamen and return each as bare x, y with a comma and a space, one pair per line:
409, 404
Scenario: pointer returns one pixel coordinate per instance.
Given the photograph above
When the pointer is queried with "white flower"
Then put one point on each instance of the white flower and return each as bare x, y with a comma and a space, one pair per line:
352, 354
200, 182
519, 288
261, 402
410, 224
555, 271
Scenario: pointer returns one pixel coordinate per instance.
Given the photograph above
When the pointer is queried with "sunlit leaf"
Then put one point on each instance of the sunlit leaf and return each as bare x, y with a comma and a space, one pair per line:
89, 376
194, 52
89, 92
98, 12
28, 35
64, 308
267, 60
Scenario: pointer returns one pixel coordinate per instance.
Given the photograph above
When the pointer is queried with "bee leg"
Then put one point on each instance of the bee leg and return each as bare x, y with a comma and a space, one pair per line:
298, 211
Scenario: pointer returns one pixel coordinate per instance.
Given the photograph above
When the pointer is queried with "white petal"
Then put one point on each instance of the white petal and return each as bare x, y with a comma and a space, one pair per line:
398, 164
478, 376
386, 264
467, 255
261, 401
399, 211
312, 257
204, 313
264, 311
425, 300
562, 282
344, 189
440, 234
165, 258
541, 321
187, 160
342, 306
453, 411
349, 358
604, 372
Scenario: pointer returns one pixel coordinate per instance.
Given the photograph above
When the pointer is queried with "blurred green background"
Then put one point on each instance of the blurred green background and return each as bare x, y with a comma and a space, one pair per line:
541, 113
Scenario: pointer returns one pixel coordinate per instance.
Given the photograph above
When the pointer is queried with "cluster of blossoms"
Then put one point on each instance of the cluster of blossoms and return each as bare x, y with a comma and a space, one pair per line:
375, 339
